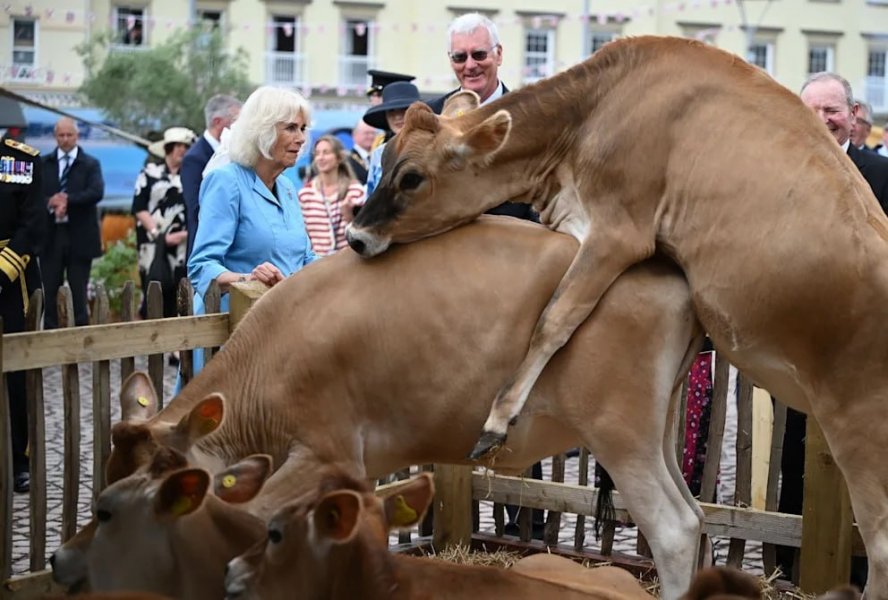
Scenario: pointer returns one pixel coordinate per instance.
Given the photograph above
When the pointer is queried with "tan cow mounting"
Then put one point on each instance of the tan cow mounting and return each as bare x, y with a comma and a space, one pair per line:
781, 240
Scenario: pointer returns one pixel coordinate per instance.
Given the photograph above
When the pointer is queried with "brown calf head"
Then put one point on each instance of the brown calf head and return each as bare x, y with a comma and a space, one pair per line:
723, 583
430, 177
330, 537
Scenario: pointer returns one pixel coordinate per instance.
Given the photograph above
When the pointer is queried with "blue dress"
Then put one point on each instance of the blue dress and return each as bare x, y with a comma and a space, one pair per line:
241, 225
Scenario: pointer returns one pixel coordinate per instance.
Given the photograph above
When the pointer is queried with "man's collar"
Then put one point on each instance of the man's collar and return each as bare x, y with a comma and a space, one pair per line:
497, 93
845, 145
213, 142
72, 153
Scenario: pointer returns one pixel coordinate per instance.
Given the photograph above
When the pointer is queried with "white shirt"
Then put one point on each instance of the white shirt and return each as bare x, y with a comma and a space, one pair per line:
213, 142
497, 93
845, 145
60, 155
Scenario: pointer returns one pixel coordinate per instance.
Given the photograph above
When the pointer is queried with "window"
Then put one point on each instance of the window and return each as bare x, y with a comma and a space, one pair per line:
211, 20
875, 64
284, 63
820, 58
357, 55
129, 26
23, 47
599, 39
875, 83
762, 54
539, 57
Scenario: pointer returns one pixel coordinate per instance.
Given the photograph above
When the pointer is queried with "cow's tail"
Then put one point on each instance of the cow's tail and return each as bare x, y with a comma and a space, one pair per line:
604, 509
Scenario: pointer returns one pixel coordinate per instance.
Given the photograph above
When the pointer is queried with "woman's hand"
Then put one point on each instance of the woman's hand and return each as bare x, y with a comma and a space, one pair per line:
176, 237
267, 273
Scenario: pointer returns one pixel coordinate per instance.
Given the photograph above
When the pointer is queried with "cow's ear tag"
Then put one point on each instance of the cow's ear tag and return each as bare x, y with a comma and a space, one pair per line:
403, 515
143, 401
229, 481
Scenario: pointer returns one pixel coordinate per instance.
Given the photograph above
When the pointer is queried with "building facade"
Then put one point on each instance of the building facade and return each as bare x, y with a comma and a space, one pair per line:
324, 47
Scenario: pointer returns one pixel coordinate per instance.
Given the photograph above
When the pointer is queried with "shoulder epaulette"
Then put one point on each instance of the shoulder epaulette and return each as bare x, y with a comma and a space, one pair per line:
22, 146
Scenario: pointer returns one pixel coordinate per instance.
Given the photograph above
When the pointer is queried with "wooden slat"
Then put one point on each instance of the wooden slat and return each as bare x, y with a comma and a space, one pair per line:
5, 470
242, 297
155, 359
36, 443
127, 314
553, 519
212, 305
826, 533
580, 530
726, 521
29, 587
499, 519
71, 403
101, 392
525, 515
453, 506
716, 435
186, 309
743, 479
40, 349
769, 551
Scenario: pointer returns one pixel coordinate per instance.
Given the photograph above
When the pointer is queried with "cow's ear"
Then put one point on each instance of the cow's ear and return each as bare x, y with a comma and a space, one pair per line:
205, 418
420, 116
460, 103
405, 504
483, 141
181, 493
138, 399
242, 481
337, 516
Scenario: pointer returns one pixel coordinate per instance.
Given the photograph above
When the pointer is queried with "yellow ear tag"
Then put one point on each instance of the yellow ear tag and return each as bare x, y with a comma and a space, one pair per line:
181, 506
403, 513
143, 401
460, 113
228, 481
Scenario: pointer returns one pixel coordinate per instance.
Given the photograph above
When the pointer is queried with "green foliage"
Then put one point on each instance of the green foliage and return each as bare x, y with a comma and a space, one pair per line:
165, 85
119, 264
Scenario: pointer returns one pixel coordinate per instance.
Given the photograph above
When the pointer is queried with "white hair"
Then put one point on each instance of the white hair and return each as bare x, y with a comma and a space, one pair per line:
468, 23
254, 133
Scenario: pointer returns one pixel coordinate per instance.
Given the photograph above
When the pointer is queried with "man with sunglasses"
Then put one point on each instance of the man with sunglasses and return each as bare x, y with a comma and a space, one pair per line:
475, 56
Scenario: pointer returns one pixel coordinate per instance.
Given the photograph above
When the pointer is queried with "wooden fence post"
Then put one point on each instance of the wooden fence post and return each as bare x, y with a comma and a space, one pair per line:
826, 518
453, 506
185, 301
127, 314
154, 310
101, 391
242, 297
71, 401
36, 442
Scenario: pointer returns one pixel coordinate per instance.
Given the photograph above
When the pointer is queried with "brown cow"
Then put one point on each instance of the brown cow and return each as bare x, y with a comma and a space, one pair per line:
377, 365
332, 544
780, 238
157, 531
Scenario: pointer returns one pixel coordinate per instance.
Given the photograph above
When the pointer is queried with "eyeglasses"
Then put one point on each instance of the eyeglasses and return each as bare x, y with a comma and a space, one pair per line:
477, 55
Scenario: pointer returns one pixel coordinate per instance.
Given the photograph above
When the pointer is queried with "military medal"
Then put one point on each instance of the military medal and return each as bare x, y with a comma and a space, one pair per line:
16, 171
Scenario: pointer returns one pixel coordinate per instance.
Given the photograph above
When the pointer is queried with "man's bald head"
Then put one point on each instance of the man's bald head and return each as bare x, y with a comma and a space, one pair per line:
66, 134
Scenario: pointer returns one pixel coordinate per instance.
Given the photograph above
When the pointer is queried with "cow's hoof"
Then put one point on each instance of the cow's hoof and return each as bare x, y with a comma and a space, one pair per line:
487, 445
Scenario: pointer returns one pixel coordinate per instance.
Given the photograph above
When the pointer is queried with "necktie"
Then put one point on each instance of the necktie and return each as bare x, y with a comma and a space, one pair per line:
63, 178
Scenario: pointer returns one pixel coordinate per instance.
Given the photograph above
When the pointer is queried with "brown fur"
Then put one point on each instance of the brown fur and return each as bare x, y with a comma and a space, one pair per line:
723, 583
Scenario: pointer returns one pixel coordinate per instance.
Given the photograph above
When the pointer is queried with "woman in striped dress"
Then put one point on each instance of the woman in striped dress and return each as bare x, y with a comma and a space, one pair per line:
330, 199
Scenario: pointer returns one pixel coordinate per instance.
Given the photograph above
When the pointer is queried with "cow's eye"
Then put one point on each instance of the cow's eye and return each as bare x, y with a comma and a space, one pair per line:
411, 181
275, 536
103, 515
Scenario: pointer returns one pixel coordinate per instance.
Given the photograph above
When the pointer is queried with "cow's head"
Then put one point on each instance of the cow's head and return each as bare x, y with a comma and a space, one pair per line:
137, 522
431, 175
315, 541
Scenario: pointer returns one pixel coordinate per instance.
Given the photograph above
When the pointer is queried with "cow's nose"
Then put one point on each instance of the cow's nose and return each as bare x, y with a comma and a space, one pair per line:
356, 243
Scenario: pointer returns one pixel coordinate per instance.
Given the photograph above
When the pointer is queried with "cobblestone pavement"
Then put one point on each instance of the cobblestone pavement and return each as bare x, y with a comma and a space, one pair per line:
625, 538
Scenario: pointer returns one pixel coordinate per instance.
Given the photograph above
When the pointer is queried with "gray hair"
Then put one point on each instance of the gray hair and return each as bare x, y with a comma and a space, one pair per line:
865, 111
219, 105
468, 23
254, 134
66, 120
828, 76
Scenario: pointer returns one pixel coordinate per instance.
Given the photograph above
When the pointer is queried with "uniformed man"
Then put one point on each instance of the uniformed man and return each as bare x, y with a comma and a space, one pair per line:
22, 224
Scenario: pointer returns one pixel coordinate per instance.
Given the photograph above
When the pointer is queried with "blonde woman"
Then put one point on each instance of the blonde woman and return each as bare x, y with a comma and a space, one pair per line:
329, 200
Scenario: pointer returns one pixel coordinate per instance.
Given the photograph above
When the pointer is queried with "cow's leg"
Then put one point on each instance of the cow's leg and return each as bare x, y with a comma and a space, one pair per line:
599, 261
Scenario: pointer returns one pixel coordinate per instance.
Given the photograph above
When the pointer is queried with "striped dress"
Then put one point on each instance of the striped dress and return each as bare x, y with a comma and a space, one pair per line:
323, 216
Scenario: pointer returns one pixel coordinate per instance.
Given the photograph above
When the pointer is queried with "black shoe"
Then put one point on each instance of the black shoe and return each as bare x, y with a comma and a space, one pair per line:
21, 483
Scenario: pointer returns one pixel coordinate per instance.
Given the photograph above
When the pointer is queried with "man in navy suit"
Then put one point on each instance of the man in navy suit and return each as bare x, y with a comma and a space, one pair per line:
72, 187
220, 112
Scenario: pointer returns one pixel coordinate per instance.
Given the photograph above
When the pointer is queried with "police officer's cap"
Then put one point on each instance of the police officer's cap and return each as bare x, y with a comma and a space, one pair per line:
380, 79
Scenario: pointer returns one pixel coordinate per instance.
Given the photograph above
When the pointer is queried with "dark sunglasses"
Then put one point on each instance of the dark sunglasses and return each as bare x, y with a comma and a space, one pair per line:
477, 55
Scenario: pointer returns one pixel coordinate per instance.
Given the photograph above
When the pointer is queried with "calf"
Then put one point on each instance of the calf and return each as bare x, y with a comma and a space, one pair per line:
333, 544
373, 366
783, 244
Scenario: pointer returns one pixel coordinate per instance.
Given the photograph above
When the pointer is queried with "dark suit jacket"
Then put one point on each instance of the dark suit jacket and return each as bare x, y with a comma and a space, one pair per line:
191, 173
520, 211
359, 166
874, 168
85, 188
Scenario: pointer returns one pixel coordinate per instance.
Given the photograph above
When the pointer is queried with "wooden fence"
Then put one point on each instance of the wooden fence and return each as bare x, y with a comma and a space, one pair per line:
827, 540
